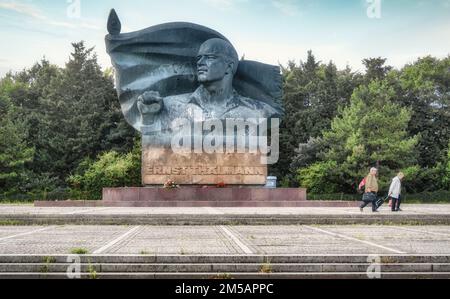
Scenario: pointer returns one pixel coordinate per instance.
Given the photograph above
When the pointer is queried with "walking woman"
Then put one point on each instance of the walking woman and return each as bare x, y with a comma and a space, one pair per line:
395, 192
371, 190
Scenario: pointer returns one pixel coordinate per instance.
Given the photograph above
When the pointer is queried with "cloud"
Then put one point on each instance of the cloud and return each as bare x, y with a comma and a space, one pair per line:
4, 71
22, 8
220, 3
287, 7
36, 14
224, 4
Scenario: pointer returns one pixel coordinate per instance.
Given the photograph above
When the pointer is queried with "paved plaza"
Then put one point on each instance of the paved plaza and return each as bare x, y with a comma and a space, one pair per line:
134, 249
223, 239
209, 216
408, 209
184, 240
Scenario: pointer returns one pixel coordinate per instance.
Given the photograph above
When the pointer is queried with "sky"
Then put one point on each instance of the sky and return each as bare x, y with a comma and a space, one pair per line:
270, 31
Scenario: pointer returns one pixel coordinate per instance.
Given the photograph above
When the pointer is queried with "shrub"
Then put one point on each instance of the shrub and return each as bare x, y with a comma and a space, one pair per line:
318, 178
79, 251
110, 170
446, 178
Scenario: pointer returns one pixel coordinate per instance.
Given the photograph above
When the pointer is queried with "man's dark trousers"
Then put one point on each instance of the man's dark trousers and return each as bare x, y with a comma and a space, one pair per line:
370, 197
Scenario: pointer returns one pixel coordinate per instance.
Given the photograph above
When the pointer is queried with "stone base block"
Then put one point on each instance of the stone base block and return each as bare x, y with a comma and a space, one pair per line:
200, 197
197, 196
160, 164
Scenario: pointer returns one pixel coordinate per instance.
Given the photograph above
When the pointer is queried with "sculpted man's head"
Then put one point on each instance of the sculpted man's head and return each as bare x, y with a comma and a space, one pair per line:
216, 60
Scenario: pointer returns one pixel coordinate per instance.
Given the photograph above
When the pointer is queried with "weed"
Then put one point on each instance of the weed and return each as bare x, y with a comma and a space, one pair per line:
79, 251
49, 259
266, 268
387, 260
223, 276
92, 272
8, 222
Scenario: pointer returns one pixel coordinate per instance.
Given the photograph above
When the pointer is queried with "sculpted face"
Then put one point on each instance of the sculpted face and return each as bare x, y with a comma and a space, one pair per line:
215, 60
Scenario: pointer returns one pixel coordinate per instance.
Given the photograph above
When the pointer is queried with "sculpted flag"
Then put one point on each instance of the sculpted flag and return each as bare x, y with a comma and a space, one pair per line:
163, 58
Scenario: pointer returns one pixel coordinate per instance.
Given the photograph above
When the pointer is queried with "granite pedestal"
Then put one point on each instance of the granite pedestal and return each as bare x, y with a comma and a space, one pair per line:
204, 197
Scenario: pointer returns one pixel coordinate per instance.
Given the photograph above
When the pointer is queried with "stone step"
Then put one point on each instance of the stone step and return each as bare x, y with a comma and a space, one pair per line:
224, 259
198, 203
232, 275
220, 268
223, 219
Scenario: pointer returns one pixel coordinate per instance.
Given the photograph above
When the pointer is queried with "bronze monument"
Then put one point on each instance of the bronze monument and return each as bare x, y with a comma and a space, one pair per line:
183, 71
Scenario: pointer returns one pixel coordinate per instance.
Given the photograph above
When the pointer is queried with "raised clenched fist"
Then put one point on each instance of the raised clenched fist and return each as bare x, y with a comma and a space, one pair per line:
150, 102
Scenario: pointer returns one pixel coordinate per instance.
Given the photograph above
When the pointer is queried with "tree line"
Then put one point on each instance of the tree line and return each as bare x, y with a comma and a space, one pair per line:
339, 123
61, 128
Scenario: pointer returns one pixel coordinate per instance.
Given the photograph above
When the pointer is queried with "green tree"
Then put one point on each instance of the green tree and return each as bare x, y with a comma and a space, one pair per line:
375, 69
67, 115
446, 178
371, 131
14, 152
81, 116
312, 94
34, 82
424, 87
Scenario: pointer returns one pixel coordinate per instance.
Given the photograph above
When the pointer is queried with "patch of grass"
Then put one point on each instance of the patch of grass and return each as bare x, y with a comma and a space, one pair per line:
92, 272
266, 267
223, 276
17, 202
49, 259
79, 251
360, 237
183, 251
143, 252
387, 260
8, 222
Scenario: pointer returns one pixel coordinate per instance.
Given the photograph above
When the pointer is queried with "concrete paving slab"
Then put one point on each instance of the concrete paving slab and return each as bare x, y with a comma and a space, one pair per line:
409, 241
61, 239
30, 215
6, 231
185, 240
300, 240
178, 240
408, 209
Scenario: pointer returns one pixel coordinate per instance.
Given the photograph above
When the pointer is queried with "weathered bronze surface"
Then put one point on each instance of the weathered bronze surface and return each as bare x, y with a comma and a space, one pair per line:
187, 71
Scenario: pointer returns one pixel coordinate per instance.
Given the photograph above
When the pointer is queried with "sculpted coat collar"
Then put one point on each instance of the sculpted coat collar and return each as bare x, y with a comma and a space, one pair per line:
200, 96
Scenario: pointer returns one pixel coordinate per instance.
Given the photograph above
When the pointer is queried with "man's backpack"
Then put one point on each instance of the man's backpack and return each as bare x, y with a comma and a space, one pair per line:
361, 185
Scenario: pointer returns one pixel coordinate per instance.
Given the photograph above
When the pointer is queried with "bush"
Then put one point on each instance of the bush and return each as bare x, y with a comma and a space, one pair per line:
29, 197
419, 180
110, 170
317, 178
446, 178
427, 197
